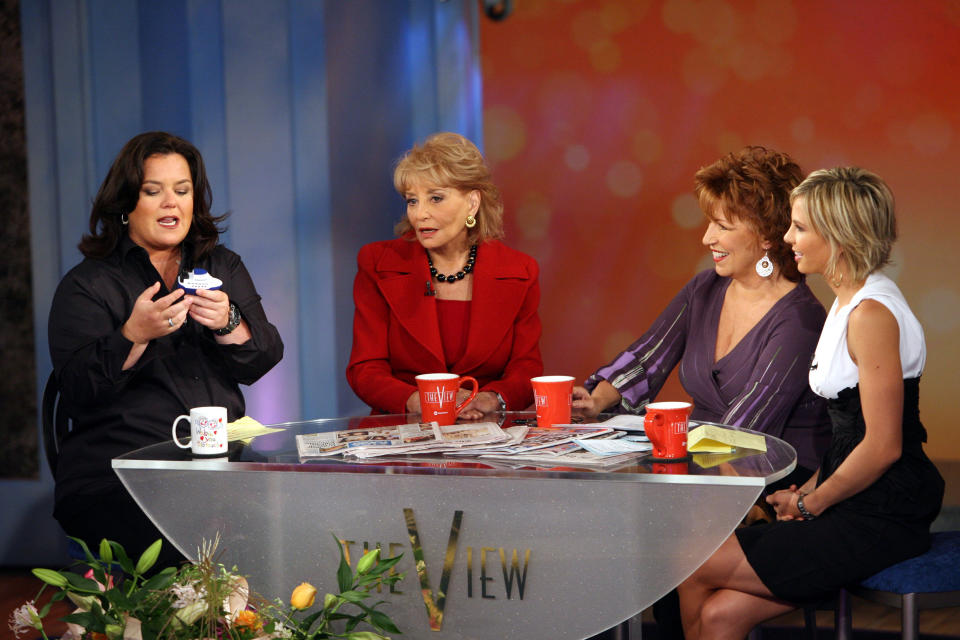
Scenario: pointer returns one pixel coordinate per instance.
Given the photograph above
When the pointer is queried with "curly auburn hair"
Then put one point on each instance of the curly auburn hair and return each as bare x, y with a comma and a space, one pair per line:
753, 185
451, 160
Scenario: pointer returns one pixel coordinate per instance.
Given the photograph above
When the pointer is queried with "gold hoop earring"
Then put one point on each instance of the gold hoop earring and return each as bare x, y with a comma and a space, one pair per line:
838, 281
471, 222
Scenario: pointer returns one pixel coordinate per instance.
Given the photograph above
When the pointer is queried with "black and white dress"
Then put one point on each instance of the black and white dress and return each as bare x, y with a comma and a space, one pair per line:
887, 522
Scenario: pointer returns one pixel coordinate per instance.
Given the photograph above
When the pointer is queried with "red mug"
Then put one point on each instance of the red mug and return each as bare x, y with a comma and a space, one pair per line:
554, 397
666, 426
671, 468
438, 396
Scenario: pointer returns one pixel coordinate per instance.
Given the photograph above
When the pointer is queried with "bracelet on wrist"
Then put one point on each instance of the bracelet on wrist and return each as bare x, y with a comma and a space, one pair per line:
803, 509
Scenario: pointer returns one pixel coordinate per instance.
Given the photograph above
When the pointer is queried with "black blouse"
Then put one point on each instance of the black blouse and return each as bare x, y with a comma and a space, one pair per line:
116, 411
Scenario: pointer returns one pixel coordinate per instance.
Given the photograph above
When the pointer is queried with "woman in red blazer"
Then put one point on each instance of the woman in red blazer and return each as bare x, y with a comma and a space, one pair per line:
446, 295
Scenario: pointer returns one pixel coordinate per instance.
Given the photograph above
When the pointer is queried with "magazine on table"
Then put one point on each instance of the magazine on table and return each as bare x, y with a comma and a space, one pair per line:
401, 439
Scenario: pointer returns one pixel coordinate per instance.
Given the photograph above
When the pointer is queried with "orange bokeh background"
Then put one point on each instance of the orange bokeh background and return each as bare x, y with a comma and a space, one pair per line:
597, 114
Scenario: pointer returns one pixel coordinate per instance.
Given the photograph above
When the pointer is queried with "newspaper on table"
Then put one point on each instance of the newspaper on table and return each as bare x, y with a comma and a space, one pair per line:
540, 438
400, 439
566, 454
515, 433
612, 447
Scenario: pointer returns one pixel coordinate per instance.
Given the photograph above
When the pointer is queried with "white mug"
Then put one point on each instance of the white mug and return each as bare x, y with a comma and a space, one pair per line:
208, 431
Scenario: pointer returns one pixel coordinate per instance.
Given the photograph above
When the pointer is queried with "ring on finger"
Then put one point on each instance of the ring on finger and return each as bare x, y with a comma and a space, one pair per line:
170, 321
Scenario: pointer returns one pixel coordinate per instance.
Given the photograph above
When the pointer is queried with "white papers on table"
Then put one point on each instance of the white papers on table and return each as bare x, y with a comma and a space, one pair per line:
624, 422
611, 447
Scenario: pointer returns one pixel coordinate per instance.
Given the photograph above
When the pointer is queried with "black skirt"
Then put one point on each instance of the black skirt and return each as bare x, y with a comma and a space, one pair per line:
889, 521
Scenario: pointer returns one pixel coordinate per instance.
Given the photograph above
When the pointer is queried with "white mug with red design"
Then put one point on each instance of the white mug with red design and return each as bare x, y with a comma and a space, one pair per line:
208, 431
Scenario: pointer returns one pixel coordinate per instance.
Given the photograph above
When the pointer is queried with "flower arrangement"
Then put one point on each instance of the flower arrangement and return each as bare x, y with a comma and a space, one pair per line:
117, 599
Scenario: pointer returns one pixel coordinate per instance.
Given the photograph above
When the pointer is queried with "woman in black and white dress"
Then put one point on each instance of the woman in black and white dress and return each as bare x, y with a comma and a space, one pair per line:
871, 503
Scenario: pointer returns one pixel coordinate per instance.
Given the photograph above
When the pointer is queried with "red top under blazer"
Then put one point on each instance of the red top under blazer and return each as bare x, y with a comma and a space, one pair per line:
396, 334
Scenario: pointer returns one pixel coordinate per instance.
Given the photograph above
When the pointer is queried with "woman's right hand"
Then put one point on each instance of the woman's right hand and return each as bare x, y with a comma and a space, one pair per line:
584, 401
413, 402
151, 319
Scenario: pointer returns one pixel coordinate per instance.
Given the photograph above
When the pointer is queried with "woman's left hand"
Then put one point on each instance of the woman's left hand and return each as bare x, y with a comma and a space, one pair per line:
210, 308
784, 503
485, 402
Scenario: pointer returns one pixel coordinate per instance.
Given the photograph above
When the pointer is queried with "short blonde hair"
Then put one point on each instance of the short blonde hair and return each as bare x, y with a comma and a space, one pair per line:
451, 160
853, 210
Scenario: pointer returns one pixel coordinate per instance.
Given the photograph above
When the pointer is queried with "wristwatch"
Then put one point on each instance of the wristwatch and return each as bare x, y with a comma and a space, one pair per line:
232, 323
803, 510
503, 403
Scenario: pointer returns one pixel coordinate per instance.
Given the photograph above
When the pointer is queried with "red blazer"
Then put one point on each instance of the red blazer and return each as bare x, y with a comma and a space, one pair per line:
396, 334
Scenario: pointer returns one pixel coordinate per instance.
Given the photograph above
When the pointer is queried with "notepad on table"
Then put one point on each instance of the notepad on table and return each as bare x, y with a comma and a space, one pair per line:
712, 439
246, 429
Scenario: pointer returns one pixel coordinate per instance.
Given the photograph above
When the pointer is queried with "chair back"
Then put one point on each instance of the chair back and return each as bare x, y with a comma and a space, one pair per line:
56, 423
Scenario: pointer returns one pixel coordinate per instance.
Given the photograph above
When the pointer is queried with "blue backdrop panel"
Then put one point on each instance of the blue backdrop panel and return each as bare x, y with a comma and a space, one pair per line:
300, 109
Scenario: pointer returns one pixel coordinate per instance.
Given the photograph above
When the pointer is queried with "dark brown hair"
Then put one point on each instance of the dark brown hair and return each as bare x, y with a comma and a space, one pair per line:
754, 185
120, 192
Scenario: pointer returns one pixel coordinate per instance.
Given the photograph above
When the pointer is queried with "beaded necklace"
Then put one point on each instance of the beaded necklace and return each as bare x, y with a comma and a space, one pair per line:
459, 275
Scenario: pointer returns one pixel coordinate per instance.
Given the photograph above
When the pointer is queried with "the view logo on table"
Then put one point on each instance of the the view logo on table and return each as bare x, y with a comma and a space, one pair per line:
554, 397
666, 426
438, 396
208, 431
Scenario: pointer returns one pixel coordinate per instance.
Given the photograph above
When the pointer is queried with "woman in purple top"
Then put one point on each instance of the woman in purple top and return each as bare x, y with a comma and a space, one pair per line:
743, 333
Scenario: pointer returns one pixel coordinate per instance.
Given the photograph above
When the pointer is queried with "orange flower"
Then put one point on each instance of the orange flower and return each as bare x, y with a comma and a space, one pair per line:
96, 635
302, 597
248, 619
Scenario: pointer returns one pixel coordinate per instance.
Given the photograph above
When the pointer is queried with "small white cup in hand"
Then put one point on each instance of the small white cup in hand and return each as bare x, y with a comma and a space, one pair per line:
208, 431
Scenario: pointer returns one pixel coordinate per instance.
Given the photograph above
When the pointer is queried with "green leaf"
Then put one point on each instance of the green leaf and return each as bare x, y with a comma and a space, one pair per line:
149, 557
162, 580
86, 550
106, 553
385, 565
51, 577
344, 574
363, 635
81, 584
85, 619
119, 601
383, 621
120, 557
307, 622
354, 596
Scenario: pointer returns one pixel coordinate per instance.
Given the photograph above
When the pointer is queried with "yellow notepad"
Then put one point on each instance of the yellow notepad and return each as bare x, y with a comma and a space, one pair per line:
246, 429
711, 439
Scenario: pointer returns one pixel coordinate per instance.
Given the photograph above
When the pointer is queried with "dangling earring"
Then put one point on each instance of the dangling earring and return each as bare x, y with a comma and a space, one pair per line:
471, 222
764, 266
836, 283
124, 219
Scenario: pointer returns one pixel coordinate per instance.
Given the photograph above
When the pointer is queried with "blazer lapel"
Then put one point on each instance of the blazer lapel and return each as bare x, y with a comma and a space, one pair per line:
403, 285
499, 288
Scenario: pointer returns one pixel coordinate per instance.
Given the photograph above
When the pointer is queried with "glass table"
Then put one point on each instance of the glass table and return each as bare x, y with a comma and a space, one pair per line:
531, 552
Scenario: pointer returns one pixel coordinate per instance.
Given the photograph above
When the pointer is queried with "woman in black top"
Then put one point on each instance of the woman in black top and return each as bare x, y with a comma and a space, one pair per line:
130, 350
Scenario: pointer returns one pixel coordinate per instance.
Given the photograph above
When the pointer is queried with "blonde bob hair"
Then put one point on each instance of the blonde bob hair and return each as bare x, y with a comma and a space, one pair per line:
451, 160
852, 209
